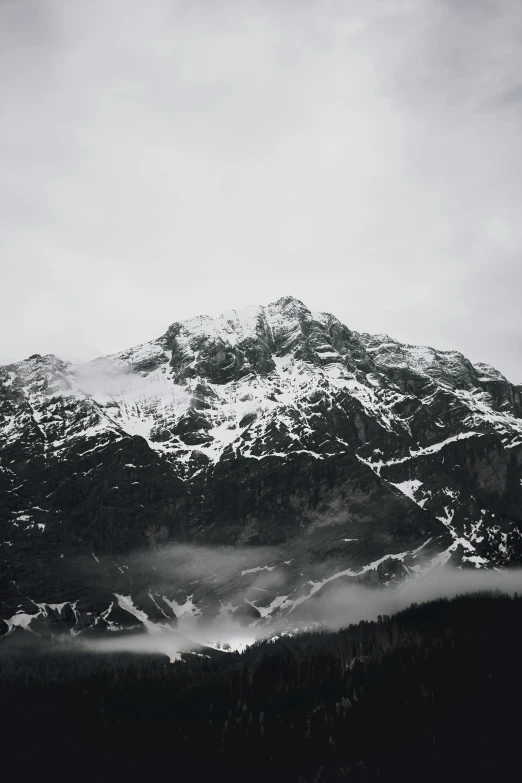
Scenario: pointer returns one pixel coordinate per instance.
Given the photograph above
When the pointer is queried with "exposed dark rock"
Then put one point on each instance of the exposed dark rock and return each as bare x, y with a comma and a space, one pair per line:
271, 426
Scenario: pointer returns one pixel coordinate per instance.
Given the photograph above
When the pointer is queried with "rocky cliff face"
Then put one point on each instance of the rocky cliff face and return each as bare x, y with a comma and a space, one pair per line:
348, 454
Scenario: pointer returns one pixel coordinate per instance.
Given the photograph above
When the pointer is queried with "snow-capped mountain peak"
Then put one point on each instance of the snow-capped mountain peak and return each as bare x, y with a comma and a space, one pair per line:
267, 425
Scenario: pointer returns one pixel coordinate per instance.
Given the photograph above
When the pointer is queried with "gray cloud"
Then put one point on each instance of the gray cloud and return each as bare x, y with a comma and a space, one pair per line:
164, 159
331, 609
349, 603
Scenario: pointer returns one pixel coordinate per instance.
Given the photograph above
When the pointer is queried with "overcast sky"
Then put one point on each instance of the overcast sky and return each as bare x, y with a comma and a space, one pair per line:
167, 158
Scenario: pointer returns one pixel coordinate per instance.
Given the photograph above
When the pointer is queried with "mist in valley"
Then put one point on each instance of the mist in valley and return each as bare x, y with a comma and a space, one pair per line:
230, 598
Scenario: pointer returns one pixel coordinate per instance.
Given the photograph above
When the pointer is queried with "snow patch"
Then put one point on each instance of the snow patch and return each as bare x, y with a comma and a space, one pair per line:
258, 568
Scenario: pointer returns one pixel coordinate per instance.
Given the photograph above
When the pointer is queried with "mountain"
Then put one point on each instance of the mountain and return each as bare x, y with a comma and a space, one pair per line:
242, 464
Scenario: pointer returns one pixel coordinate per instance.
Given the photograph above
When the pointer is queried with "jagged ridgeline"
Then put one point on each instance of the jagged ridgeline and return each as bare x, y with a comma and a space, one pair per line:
350, 455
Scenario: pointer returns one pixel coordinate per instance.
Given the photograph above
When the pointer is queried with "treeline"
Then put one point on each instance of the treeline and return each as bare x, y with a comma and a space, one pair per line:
431, 693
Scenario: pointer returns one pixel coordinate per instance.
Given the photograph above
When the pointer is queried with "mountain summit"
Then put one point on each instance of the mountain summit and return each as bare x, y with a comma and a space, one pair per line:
350, 455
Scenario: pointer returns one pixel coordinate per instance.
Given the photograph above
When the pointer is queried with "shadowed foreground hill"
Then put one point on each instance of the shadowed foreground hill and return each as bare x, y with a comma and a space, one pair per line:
429, 694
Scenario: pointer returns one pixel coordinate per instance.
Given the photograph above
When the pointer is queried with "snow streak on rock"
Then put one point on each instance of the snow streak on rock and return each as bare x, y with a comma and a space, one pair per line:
270, 425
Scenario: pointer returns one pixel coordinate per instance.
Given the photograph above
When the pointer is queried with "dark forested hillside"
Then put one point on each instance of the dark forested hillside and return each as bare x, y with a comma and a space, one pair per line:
431, 693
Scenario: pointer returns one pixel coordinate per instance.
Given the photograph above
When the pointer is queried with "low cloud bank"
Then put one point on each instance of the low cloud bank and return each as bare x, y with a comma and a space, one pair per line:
344, 605
331, 609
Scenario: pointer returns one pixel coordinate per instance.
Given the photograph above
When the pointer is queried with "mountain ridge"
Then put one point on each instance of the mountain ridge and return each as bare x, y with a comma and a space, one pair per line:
271, 425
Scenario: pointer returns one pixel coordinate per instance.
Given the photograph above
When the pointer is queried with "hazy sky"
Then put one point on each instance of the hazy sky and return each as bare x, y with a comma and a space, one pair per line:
167, 158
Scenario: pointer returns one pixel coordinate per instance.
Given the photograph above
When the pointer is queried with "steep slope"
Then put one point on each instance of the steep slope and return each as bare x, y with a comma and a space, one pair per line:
270, 426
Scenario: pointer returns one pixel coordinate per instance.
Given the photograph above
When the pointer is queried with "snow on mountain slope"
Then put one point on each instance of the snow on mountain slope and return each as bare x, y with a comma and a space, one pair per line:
268, 425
